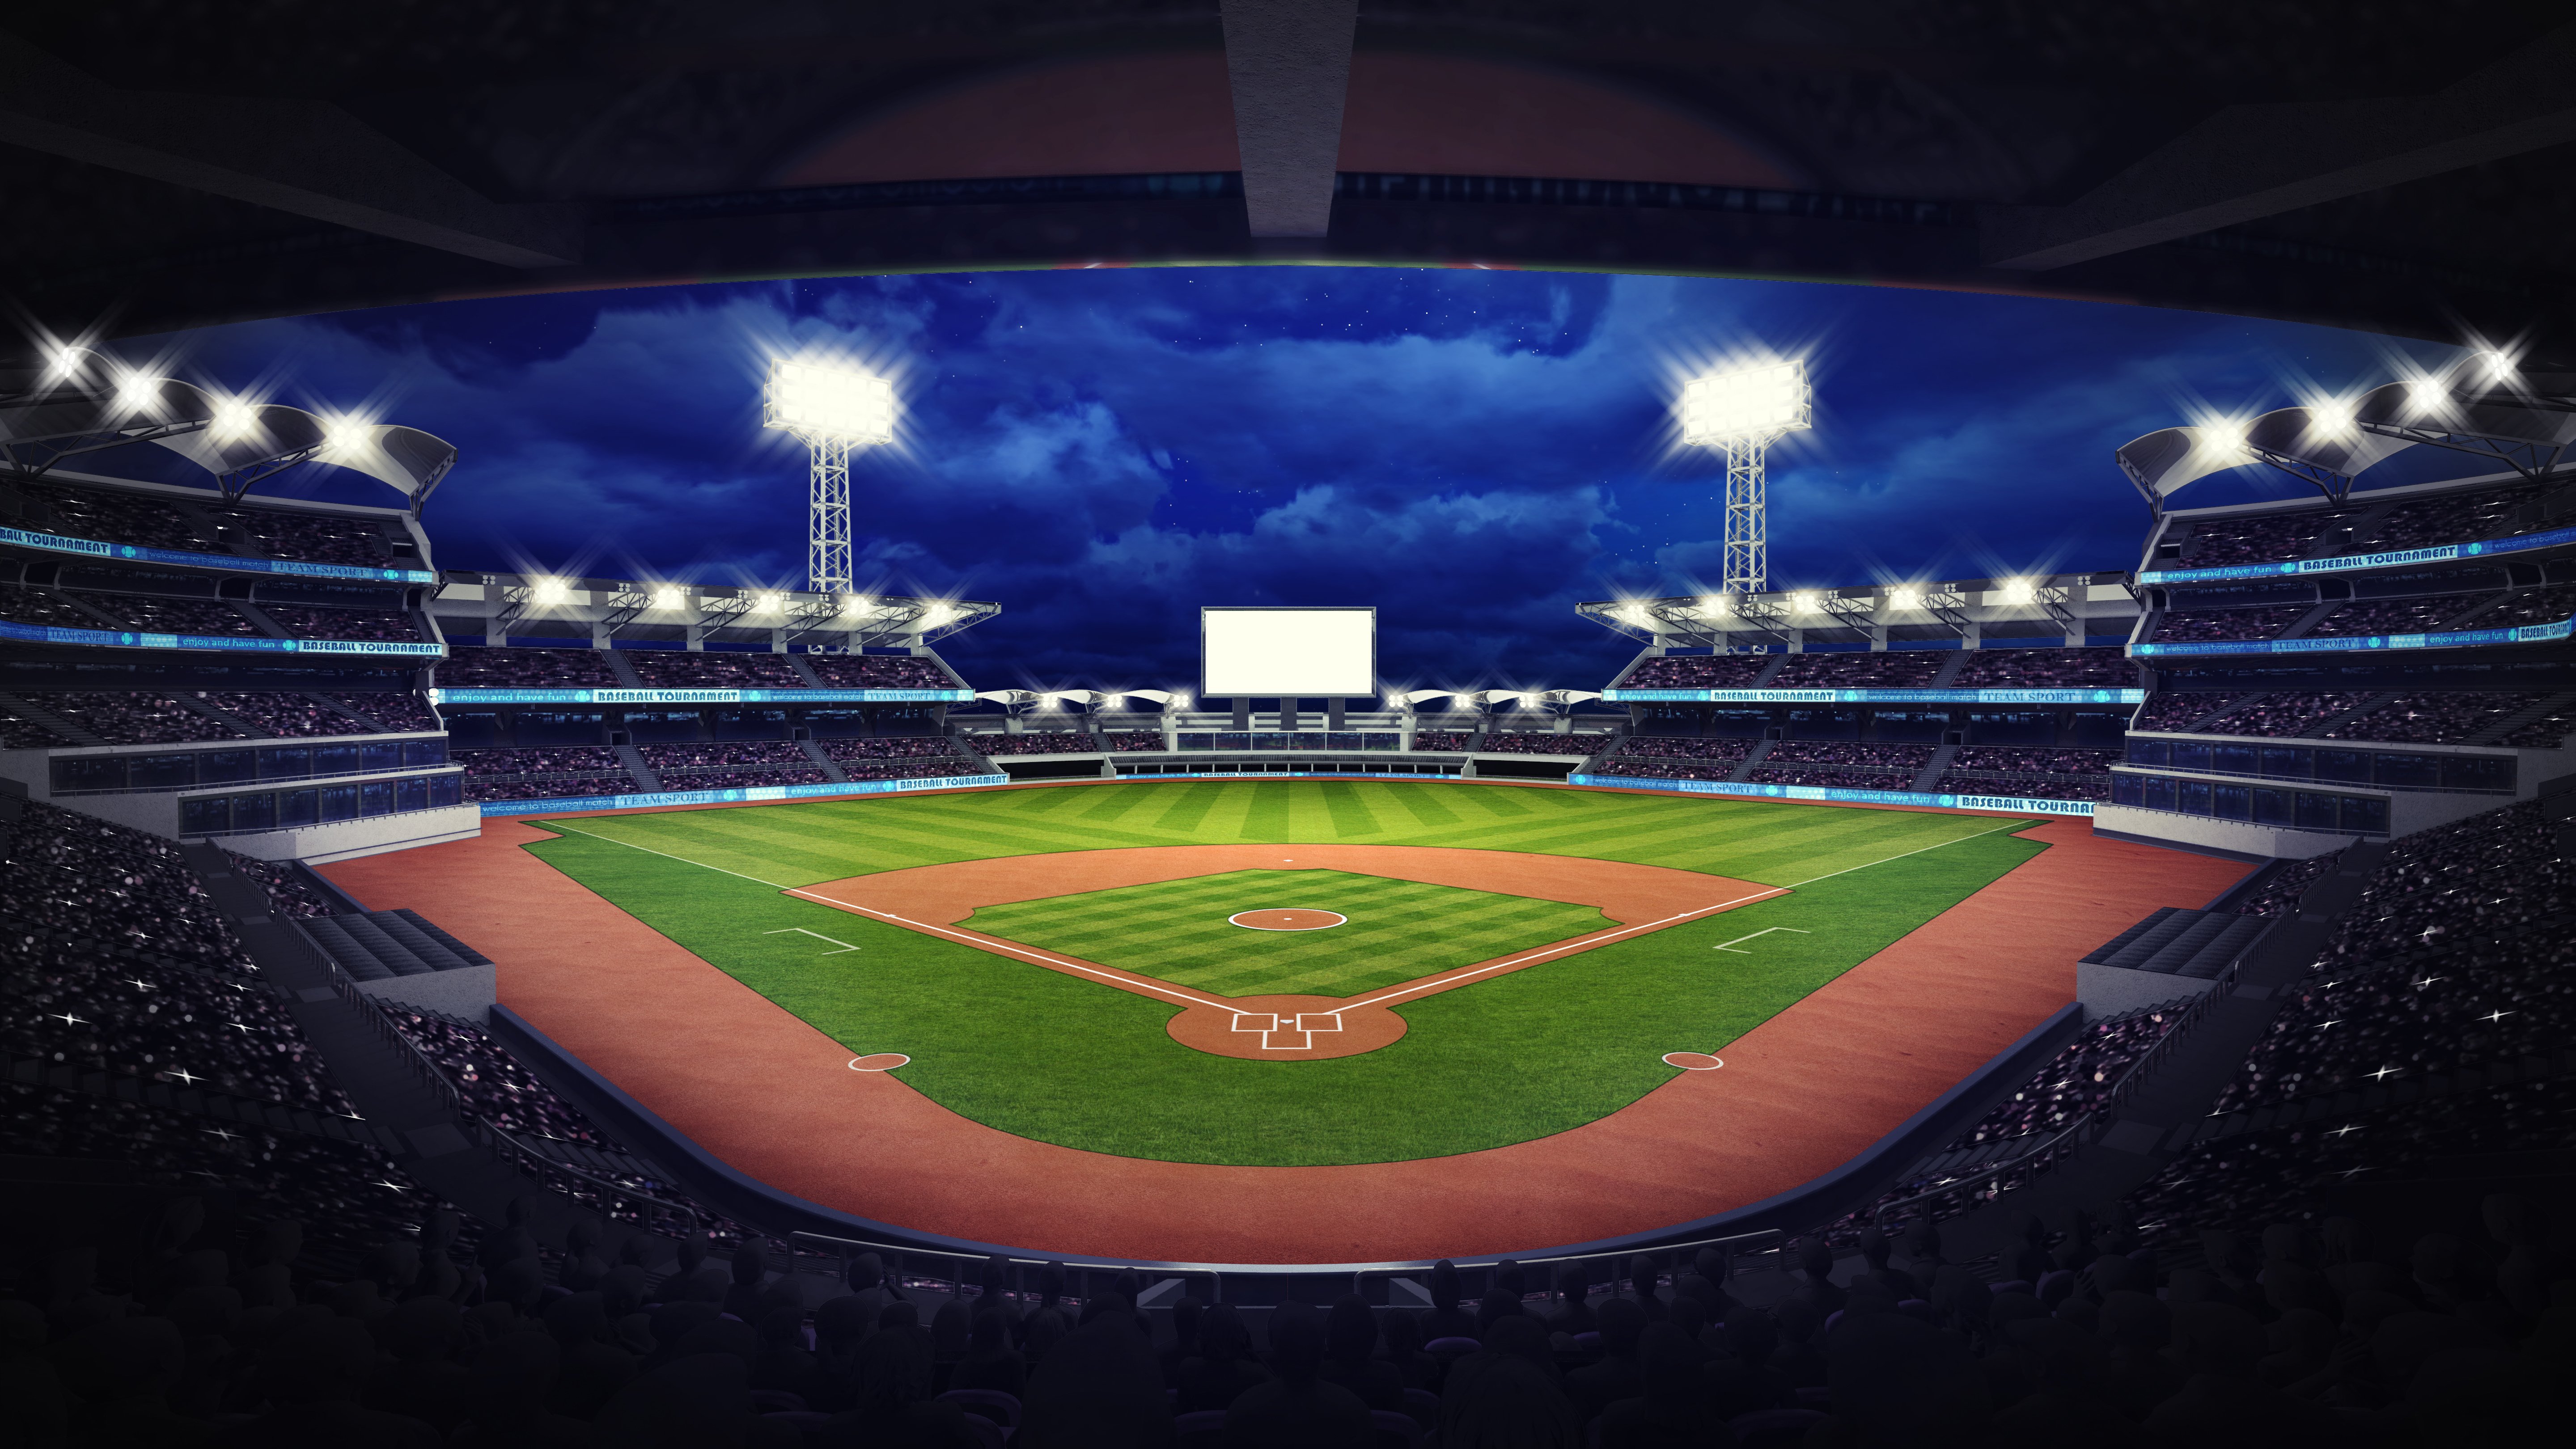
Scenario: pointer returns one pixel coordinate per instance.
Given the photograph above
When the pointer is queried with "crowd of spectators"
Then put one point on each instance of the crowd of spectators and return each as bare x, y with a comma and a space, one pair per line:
2393, 616
1863, 669
287, 891
132, 719
2435, 718
713, 669
492, 1084
704, 756
2546, 731
285, 713
2075, 1082
1441, 741
1666, 747
1540, 742
1828, 777
310, 537
76, 877
2452, 518
2026, 787
2026, 761
2444, 890
2279, 895
394, 709
498, 667
275, 1203
1993, 668
1037, 742
890, 747
1698, 671
2283, 713
2204, 625
1850, 752
111, 515
390, 625
547, 760
2219, 542
1122, 742
20, 730
2172, 710
22, 605
2530, 606
878, 671
945, 764
155, 614
744, 779
1666, 769
550, 787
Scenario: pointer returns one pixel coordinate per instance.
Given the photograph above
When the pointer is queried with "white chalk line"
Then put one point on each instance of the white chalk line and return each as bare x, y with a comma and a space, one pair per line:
990, 943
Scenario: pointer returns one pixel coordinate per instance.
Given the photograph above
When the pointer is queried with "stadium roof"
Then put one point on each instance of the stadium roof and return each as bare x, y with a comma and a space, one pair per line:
2403, 168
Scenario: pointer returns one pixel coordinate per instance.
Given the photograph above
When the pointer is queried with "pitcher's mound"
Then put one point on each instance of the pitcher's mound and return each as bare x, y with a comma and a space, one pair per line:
1299, 920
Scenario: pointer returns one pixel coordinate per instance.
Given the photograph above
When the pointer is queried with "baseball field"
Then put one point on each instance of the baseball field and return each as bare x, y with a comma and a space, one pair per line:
1290, 972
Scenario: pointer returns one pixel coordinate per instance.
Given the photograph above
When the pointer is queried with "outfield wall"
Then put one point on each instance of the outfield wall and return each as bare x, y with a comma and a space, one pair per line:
735, 797
2003, 804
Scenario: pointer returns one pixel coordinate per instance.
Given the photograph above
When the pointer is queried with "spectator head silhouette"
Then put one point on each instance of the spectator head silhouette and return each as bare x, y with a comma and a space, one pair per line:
1815, 1259
1712, 1264
1297, 1342
865, 1271
1222, 1336
1444, 1285
1619, 1321
750, 1263
1642, 1273
1350, 1330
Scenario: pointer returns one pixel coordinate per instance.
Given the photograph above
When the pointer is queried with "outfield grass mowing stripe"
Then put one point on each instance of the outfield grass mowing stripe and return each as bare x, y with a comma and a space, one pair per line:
1350, 812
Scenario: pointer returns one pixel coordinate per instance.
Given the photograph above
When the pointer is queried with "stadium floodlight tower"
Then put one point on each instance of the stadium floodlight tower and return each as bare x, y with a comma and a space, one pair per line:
1746, 411
829, 409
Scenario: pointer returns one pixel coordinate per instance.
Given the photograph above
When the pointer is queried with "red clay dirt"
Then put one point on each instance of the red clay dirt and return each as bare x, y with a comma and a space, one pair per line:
1287, 920
1799, 1094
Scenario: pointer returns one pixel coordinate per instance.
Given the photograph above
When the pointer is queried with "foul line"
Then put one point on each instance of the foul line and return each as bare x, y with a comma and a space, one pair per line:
666, 855
1580, 943
990, 943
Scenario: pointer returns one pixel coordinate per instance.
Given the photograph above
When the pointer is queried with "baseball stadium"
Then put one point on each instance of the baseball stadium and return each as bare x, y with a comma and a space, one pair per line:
1063, 765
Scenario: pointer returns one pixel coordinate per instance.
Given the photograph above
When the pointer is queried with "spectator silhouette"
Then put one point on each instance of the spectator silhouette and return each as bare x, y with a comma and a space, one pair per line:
1670, 1407
2224, 1403
1100, 1388
1445, 1318
1642, 1274
1224, 1366
893, 1407
1573, 1313
1350, 1349
1298, 1407
1619, 1374
990, 1361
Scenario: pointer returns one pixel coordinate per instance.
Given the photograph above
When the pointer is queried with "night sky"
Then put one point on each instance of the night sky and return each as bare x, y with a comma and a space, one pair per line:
1102, 452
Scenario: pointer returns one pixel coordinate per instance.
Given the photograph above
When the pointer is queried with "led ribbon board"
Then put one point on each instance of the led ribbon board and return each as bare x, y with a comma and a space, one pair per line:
732, 797
2006, 804
2437, 553
58, 543
2456, 638
113, 639
1288, 653
1874, 696
475, 695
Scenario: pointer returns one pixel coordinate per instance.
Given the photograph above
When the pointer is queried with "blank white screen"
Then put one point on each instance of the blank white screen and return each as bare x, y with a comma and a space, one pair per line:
1317, 653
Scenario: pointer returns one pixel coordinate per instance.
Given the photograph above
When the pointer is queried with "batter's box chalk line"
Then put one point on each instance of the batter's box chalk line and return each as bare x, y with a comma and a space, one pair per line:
1693, 1061
879, 1062
817, 935
1301, 1027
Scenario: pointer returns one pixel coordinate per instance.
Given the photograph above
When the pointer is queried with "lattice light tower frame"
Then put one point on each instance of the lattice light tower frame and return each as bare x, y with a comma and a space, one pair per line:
1745, 411
830, 410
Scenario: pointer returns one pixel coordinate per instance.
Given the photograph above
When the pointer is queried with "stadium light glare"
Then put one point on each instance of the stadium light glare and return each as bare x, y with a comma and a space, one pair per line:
551, 591
343, 434
936, 615
1804, 601
1905, 596
668, 596
813, 401
233, 420
2333, 418
1716, 605
2020, 591
1747, 403
854, 603
135, 392
768, 603
61, 361
2499, 365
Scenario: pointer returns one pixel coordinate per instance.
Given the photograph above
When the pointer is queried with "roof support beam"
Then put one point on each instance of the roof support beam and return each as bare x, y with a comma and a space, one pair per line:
1289, 62
306, 157
2253, 161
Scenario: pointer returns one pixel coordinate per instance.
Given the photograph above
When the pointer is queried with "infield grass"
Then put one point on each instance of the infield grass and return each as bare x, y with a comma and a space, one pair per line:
1178, 931
1048, 1056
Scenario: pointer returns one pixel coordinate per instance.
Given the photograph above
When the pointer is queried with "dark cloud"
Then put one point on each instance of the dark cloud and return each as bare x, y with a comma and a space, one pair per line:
1103, 452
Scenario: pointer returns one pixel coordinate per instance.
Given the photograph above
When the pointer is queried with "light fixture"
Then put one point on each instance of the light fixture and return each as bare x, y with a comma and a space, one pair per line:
1804, 601
1905, 596
233, 420
1747, 403
769, 603
135, 392
669, 596
61, 362
2020, 591
343, 434
828, 402
551, 591
1715, 604
854, 603
2499, 367
2426, 394
936, 615
2334, 418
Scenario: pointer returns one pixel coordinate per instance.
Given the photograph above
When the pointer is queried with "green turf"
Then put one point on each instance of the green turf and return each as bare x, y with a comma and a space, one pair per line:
1177, 931
1055, 1058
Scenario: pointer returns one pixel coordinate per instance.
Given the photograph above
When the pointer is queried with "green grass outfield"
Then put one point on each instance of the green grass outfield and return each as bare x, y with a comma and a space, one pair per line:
1051, 1057
1177, 931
